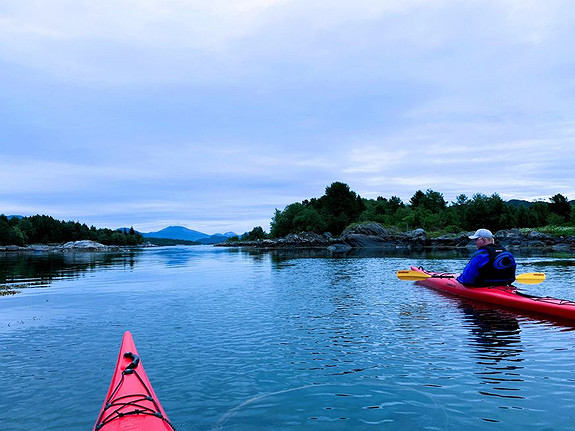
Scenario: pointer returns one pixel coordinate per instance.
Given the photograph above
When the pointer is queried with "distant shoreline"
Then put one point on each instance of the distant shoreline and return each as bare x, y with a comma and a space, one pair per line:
72, 246
375, 236
361, 236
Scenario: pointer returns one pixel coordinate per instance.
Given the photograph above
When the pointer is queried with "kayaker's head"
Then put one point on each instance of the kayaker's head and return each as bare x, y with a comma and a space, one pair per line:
482, 237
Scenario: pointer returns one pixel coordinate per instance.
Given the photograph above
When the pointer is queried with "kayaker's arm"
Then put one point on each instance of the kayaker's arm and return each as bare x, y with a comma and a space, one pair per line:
471, 271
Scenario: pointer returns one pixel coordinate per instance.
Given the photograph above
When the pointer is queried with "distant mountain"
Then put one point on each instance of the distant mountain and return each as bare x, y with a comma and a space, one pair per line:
177, 232
168, 241
519, 203
217, 238
183, 233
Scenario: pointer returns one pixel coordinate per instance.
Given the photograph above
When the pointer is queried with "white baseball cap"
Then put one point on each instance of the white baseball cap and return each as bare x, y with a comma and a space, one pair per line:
481, 233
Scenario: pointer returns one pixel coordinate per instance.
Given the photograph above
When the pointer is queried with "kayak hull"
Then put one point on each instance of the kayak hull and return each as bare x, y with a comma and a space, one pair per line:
131, 403
506, 296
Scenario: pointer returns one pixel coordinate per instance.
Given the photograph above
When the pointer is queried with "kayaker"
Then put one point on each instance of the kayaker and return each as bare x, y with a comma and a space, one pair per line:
490, 265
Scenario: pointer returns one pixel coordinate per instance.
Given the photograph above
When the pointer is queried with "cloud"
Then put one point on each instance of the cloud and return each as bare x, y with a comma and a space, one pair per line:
127, 41
219, 112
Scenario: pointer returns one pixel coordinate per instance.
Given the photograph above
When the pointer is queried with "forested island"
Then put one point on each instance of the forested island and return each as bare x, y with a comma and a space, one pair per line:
340, 208
43, 229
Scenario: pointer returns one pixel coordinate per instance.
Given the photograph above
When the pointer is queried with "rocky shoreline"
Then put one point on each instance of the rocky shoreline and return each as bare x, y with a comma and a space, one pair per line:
361, 236
72, 246
375, 236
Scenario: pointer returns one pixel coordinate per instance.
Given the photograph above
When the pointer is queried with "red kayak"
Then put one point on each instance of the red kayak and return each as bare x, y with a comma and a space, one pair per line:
507, 296
131, 404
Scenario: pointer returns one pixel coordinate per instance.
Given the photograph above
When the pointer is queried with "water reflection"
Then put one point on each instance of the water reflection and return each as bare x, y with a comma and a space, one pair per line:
24, 270
496, 338
281, 255
323, 344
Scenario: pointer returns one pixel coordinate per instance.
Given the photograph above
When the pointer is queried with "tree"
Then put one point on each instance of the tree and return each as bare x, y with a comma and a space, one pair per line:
340, 207
417, 199
476, 213
6, 232
255, 234
426, 210
283, 221
430, 200
524, 217
461, 200
308, 220
539, 213
44, 229
394, 204
560, 205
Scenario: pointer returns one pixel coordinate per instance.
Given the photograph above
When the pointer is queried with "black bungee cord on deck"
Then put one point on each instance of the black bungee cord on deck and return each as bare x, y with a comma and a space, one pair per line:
119, 403
437, 275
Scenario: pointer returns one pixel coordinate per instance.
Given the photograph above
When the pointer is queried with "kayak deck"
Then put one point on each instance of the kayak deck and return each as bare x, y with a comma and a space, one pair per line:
507, 296
131, 403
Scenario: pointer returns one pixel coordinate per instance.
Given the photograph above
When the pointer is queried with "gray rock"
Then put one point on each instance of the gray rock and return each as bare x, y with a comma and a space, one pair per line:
369, 235
87, 245
309, 239
417, 235
40, 247
451, 240
508, 235
71, 246
373, 235
538, 236
369, 229
339, 248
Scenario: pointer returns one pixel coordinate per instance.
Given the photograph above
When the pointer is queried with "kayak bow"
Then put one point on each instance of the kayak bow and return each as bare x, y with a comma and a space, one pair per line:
131, 403
506, 296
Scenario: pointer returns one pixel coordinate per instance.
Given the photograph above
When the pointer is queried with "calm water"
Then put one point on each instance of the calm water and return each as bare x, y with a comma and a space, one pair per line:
253, 341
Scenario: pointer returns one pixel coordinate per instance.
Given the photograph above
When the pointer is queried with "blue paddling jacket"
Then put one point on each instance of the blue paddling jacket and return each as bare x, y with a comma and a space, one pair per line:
489, 266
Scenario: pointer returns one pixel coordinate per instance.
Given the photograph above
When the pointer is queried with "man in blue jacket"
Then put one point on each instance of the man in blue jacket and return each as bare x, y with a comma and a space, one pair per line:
490, 265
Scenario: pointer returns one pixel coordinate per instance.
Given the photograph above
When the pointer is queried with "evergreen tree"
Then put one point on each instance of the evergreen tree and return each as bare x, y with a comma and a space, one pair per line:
339, 207
43, 229
255, 234
560, 205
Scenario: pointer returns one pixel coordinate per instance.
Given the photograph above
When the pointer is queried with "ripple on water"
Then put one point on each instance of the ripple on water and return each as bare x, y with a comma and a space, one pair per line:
235, 340
325, 405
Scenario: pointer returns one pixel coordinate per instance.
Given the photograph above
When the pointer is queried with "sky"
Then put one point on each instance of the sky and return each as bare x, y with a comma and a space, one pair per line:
211, 115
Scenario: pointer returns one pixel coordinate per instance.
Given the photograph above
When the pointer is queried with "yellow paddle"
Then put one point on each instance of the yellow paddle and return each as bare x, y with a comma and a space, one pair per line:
410, 275
530, 278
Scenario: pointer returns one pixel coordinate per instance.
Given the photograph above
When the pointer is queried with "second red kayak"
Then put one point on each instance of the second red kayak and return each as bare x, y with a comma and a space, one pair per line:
131, 403
507, 296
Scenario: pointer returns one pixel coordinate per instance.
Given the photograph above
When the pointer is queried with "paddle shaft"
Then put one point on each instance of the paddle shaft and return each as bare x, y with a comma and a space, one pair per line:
411, 275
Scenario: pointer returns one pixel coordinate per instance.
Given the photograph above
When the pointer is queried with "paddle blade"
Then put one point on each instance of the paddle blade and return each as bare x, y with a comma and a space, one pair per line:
411, 275
530, 278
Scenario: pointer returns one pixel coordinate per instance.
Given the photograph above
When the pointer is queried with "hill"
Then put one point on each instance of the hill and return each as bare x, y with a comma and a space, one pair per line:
217, 238
519, 203
184, 234
168, 241
177, 232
